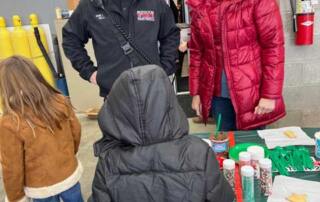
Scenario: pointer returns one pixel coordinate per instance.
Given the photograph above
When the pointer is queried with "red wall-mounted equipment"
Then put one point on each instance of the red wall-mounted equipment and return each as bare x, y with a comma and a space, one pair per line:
303, 21
305, 24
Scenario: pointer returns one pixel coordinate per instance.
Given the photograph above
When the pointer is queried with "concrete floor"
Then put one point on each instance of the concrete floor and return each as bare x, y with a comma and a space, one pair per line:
90, 134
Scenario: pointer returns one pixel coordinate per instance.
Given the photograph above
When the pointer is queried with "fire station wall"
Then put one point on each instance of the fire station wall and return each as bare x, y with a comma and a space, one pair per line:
45, 9
302, 75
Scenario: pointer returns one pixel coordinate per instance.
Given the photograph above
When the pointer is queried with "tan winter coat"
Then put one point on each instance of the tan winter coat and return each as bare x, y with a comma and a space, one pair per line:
37, 163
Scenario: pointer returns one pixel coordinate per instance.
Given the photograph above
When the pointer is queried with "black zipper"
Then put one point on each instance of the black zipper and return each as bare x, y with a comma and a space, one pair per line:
131, 20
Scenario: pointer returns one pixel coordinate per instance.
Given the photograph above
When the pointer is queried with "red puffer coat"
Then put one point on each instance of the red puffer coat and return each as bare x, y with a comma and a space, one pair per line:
253, 52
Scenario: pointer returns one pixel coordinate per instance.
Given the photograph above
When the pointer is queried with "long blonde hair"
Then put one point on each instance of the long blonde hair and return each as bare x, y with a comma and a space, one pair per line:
22, 88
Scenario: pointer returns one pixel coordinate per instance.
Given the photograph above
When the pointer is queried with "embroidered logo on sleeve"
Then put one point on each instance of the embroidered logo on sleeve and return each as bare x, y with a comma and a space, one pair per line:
146, 16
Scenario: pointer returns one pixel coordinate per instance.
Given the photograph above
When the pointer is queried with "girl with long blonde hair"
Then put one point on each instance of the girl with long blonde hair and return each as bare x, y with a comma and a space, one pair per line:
39, 137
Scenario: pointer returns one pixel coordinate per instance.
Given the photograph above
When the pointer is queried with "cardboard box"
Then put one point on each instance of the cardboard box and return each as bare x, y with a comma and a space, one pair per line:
72, 4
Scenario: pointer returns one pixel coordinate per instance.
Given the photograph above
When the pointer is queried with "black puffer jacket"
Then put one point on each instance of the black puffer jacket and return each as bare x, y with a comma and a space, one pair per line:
146, 153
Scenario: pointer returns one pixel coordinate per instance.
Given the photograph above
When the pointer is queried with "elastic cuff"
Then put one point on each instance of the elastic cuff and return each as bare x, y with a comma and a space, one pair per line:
192, 94
87, 73
24, 199
89, 77
270, 97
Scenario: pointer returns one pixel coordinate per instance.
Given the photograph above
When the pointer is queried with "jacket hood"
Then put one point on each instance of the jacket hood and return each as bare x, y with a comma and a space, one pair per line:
142, 109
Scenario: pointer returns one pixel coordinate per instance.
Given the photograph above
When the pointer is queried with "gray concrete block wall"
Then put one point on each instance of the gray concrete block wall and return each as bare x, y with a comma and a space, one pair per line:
302, 75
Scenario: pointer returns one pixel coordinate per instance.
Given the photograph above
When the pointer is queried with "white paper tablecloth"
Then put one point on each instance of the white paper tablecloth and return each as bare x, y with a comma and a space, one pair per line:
276, 137
285, 186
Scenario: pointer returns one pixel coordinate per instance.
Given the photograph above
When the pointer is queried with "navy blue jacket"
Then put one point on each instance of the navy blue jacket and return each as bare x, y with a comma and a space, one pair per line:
149, 23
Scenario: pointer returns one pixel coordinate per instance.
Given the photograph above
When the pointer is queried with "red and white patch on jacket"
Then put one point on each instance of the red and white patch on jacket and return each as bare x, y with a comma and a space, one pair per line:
146, 16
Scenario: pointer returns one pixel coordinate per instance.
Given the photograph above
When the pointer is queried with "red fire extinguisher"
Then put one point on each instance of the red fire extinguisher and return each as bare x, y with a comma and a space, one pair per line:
303, 19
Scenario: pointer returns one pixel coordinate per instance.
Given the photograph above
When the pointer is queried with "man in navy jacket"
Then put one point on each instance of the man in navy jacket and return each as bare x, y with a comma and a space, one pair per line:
150, 23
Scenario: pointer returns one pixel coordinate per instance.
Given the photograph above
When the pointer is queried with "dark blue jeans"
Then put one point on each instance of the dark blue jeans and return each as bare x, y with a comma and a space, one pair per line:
224, 107
71, 195
228, 116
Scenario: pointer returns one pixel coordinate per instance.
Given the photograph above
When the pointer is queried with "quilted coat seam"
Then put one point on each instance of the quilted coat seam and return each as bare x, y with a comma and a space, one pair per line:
205, 167
153, 172
266, 14
140, 116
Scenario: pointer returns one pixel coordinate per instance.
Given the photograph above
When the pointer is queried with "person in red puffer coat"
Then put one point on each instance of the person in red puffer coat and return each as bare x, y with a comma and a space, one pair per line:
237, 62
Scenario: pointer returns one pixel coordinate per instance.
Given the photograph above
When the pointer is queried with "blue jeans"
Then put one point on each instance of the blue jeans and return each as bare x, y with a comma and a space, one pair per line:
71, 195
223, 106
